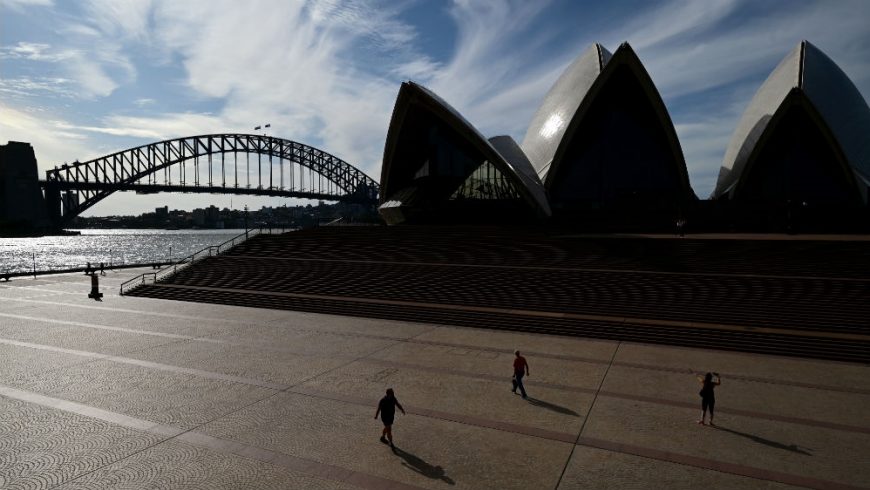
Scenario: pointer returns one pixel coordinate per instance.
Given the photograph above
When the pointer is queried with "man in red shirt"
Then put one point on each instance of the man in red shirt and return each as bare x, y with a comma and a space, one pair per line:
521, 368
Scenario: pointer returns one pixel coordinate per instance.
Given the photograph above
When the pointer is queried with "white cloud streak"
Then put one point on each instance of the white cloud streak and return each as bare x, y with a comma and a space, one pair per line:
19, 5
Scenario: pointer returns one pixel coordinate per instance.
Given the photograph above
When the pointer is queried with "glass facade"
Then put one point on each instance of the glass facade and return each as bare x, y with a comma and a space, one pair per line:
439, 174
797, 163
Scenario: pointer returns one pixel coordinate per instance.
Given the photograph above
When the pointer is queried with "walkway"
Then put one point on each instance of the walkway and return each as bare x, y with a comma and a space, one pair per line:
147, 392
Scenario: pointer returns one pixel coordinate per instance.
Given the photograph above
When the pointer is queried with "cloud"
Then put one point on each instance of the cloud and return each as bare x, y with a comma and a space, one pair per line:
157, 128
37, 87
314, 88
54, 140
487, 53
127, 19
143, 102
34, 52
19, 5
97, 70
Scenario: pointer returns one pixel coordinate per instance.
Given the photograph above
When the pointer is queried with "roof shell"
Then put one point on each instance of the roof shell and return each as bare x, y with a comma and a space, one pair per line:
831, 93
415, 97
624, 56
559, 106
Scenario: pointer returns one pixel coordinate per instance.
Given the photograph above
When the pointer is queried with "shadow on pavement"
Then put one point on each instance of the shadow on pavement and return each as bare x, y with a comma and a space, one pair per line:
552, 406
767, 442
422, 467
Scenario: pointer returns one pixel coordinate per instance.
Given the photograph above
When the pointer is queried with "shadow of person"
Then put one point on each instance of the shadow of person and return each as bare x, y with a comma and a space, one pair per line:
418, 465
767, 442
552, 406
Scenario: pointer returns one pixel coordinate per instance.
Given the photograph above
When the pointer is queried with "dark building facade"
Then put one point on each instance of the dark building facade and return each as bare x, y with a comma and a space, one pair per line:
438, 168
21, 203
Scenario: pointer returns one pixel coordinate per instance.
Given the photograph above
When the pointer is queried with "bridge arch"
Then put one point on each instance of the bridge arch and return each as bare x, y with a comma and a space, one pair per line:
140, 169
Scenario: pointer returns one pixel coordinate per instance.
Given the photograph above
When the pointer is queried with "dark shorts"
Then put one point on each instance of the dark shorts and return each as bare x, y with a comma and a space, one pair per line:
708, 402
388, 421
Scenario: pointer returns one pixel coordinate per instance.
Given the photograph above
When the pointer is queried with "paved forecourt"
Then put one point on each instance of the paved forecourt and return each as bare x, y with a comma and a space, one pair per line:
134, 392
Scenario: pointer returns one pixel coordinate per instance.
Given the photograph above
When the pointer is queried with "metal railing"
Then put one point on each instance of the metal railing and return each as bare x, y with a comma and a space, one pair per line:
210, 251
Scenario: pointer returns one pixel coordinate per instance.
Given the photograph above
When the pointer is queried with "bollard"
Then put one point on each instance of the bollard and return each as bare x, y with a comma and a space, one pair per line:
95, 288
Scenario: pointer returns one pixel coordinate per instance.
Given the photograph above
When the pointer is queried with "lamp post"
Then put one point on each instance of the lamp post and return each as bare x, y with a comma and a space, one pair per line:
246, 221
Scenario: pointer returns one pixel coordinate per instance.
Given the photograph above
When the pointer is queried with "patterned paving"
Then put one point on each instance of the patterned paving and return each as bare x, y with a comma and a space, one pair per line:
144, 393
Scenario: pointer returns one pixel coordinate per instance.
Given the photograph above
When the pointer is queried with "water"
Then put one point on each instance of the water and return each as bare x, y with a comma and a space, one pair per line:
109, 246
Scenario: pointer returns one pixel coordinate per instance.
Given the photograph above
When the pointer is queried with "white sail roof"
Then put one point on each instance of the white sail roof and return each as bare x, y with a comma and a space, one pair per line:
561, 102
829, 90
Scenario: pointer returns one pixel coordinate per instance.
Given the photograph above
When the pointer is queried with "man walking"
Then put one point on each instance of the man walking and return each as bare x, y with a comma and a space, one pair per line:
521, 368
387, 410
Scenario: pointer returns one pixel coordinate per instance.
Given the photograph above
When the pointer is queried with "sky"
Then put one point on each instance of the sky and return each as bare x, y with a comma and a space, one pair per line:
81, 79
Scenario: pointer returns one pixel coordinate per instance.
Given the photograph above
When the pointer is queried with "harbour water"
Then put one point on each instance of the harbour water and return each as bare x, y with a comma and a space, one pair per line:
109, 246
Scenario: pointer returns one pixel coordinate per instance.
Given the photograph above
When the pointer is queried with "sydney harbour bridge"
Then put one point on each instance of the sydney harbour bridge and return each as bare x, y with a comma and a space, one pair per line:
216, 163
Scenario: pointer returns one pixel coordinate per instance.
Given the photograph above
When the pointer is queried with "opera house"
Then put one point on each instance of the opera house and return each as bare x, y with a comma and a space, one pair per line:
601, 152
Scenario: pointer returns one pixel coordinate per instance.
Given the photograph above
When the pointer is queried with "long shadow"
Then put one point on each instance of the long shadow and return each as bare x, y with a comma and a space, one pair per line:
552, 406
416, 464
767, 442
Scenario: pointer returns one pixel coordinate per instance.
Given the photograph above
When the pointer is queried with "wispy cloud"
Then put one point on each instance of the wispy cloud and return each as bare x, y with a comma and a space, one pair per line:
312, 87
120, 19
144, 102
157, 128
21, 4
96, 69
37, 87
34, 52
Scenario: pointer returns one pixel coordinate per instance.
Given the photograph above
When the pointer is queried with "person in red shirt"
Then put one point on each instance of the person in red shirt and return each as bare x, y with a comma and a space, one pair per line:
521, 368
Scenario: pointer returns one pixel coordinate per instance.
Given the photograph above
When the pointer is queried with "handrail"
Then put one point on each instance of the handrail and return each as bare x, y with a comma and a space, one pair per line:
173, 268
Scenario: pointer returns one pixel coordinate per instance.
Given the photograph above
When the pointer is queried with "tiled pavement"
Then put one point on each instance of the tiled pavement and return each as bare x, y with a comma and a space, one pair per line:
142, 393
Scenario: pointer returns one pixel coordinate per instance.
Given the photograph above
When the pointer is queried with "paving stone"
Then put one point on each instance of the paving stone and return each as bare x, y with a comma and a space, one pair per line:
270, 365
489, 362
550, 409
510, 341
180, 400
175, 464
466, 430
42, 447
776, 399
432, 452
812, 452
309, 341
773, 368
180, 325
99, 340
590, 467
17, 363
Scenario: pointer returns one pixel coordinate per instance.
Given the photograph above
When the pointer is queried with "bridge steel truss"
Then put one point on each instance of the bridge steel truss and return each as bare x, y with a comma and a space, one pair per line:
149, 168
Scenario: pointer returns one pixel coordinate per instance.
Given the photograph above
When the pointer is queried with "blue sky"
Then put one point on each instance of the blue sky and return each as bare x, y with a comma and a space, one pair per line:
85, 78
